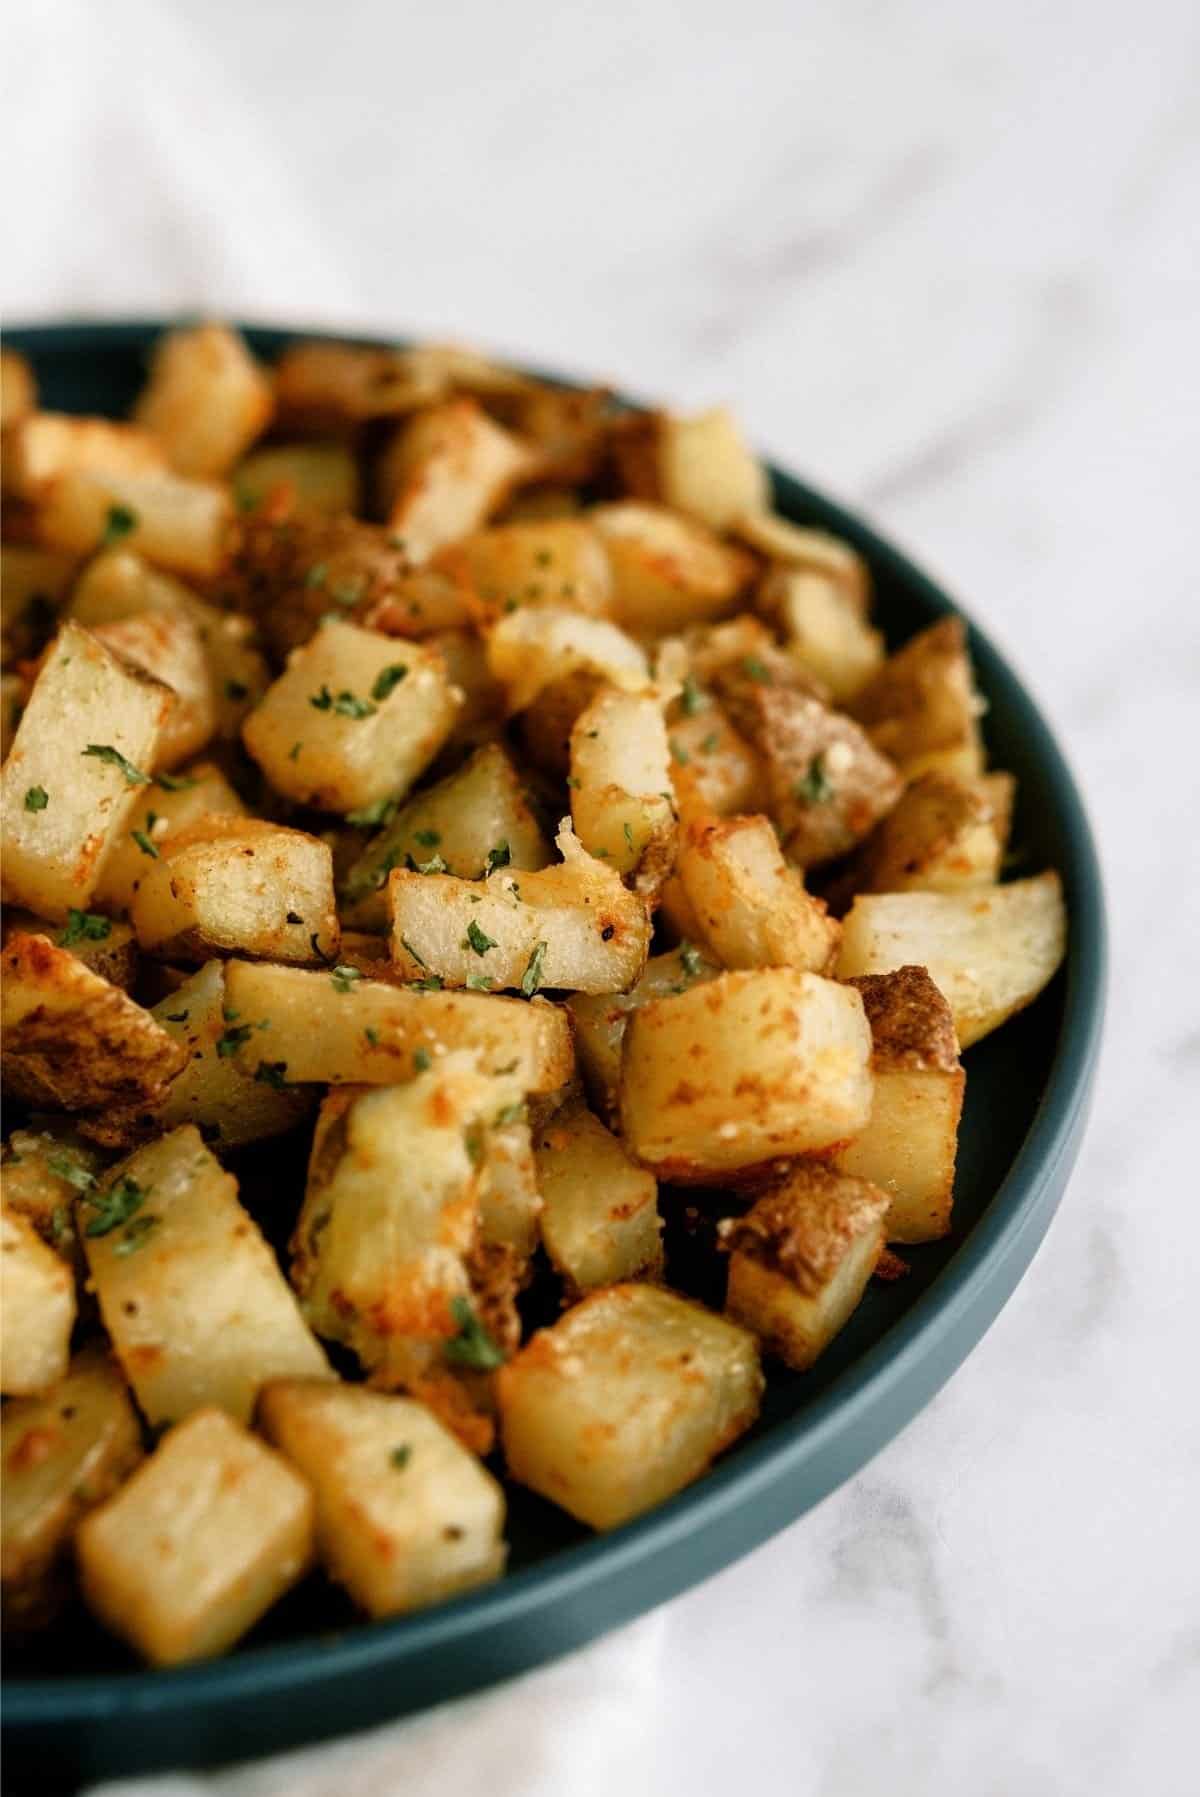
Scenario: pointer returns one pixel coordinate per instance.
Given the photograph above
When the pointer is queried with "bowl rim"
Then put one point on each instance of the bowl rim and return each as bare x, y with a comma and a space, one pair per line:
879, 1375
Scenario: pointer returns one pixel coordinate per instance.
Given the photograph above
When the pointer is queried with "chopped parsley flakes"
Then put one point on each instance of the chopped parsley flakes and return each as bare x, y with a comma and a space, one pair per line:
144, 843
115, 1206
815, 788
84, 926
388, 679
344, 977
105, 752
120, 521
531, 979
37, 798
345, 704
477, 939
472, 1346
381, 812
232, 1039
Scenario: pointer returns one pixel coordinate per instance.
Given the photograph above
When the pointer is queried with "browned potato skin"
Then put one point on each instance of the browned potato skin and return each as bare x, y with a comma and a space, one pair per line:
944, 834
921, 708
115, 957
71, 1040
289, 573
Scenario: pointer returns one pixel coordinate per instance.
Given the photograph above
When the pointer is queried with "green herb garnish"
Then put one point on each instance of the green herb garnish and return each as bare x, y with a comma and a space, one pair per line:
477, 939
271, 1073
105, 752
472, 1346
531, 979
134, 1235
176, 782
479, 982
400, 1457
679, 754
690, 959
756, 669
144, 843
344, 977
388, 679
118, 524
381, 812
428, 839
692, 699
816, 787
37, 798
84, 926
229, 1043
115, 1206
345, 704
317, 574
65, 1166
422, 1060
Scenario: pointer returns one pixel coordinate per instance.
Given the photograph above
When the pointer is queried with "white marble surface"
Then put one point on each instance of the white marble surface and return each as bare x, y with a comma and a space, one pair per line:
944, 258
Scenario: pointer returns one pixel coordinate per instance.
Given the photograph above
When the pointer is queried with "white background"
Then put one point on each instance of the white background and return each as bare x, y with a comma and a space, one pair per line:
944, 260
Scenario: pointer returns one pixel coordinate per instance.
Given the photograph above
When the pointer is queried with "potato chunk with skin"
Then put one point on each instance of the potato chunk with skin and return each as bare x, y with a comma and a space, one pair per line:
823, 628
800, 1260
238, 886
72, 1041
92, 725
909, 1145
945, 834
210, 1531
921, 709
990, 952
621, 803
182, 524
532, 649
339, 1029
751, 906
813, 551
43, 1171
573, 927
560, 561
168, 646
405, 1516
159, 813
668, 570
742, 1070
600, 1221
353, 720
714, 771
206, 399
600, 1020
47, 445
191, 1295
37, 1309
625, 1400
446, 473
107, 947
698, 465
62, 1453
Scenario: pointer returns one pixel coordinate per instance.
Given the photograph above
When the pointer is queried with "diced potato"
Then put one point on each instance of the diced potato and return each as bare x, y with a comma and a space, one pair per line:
18, 388
163, 811
105, 945
530, 649
909, 1145
405, 1515
37, 1309
354, 719
509, 1201
568, 432
62, 1453
92, 724
741, 651
446, 473
827, 785
421, 602
626, 1399
621, 803
191, 1295
47, 445
206, 399
922, 709
321, 384
823, 628
714, 771
990, 952
183, 524
210, 1531
600, 1221
328, 1027
291, 573
813, 551
573, 927
43, 1171
742, 1070
238, 886
800, 1259
944, 835
668, 570
483, 703
600, 1021
476, 819
697, 465
752, 908
217, 1090
306, 477
168, 646
72, 1041
559, 562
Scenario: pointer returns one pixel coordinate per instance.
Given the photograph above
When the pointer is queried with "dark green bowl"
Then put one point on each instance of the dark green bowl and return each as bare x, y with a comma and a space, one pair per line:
304, 1675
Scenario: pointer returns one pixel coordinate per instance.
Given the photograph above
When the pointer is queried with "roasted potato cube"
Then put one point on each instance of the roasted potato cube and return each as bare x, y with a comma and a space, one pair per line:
163, 811
626, 1399
621, 803
698, 465
668, 570
92, 725
339, 1029
811, 551
191, 1294
600, 1221
43, 1171
742, 1070
37, 1309
108, 947
509, 1201
827, 784
62, 1453
600, 1020
299, 477
206, 399
319, 385
752, 908
33, 583
823, 628
168, 646
354, 719
990, 952
182, 524
291, 573
531, 649
405, 1515
448, 470
47, 445
557, 562
800, 1259
921, 709
18, 388
714, 771
422, 602
72, 1041
909, 1145
210, 1531
945, 835
573, 927
238, 886
476, 819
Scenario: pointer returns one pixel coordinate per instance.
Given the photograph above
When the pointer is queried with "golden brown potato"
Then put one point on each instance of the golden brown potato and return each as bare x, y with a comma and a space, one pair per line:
699, 465
238, 886
600, 1221
813, 551
322, 385
559, 561
104, 944
600, 1020
299, 477
18, 388
184, 525
800, 1259
206, 399
752, 908
405, 1515
668, 570
208, 1533
620, 781
529, 650
47, 445
945, 834
509, 1201
921, 709
72, 1041
91, 728
742, 1070
447, 471
42, 1172
910, 1142
626, 1399
168, 646
37, 1309
823, 628
201, 791
714, 771
291, 573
